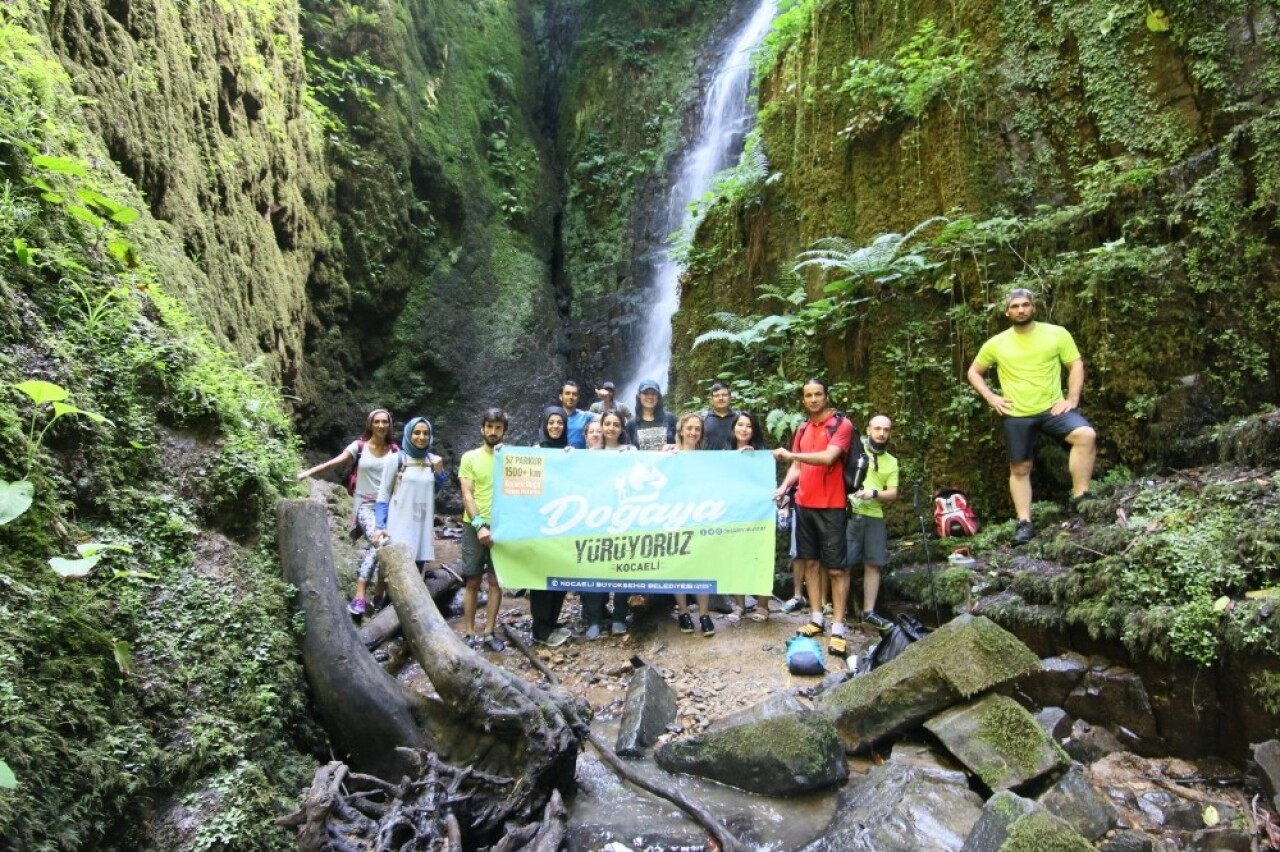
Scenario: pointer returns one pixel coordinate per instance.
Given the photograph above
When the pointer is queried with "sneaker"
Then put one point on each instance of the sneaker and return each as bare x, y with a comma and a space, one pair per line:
961, 556
1078, 499
1023, 533
686, 623
810, 628
838, 646
794, 605
593, 632
493, 643
828, 610
876, 620
356, 607
708, 627
752, 603
381, 601
471, 642
619, 628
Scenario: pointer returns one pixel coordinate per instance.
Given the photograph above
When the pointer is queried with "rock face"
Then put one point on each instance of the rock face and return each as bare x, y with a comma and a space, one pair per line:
999, 741
902, 806
962, 658
650, 706
779, 756
1075, 800
1267, 756
1116, 696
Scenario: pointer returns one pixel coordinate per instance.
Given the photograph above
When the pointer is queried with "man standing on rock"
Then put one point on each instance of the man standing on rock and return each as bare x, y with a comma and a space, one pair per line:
717, 421
606, 402
475, 475
867, 540
816, 452
576, 425
1029, 357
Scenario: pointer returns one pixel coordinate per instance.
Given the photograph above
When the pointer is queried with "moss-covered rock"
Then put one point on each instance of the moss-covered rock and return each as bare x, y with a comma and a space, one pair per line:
999, 741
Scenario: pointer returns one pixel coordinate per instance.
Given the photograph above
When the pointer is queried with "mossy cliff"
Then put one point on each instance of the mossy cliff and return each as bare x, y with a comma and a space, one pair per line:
1119, 163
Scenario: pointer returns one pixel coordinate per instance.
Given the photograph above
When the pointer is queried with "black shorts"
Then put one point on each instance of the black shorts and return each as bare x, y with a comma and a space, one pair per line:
477, 560
868, 541
1020, 432
820, 536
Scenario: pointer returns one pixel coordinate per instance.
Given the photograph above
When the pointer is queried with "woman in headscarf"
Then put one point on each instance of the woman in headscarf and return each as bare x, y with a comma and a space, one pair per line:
545, 605
406, 507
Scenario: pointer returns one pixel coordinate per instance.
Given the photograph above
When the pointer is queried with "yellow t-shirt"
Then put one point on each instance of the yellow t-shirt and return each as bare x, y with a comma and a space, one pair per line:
477, 465
1030, 366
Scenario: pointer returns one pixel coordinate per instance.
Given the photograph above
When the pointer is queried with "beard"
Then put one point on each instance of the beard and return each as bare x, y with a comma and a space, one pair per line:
1024, 321
877, 446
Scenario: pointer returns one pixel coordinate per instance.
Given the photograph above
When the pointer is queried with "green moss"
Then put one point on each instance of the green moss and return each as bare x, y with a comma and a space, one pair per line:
1008, 728
1041, 831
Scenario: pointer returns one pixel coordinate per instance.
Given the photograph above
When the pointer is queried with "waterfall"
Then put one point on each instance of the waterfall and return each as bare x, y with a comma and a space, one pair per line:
727, 115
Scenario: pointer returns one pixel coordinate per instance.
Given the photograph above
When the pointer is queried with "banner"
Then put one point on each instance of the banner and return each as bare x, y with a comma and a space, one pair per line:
638, 522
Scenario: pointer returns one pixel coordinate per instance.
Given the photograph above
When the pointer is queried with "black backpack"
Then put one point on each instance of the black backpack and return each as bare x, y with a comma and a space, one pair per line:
855, 461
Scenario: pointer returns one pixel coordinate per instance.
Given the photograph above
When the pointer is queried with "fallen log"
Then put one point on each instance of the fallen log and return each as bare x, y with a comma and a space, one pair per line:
386, 624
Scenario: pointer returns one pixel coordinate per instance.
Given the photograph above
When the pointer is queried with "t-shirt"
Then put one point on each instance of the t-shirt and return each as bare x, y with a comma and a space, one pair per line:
882, 474
477, 465
576, 427
369, 470
1030, 365
653, 434
598, 408
822, 487
717, 431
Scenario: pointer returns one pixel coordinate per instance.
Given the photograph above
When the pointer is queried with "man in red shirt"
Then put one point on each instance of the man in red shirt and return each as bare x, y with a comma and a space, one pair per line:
816, 456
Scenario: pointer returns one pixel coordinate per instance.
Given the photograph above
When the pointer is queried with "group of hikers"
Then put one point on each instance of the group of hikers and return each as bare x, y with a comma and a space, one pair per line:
831, 530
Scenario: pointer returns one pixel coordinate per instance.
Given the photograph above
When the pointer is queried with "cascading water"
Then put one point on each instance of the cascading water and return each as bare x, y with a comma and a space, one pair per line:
726, 117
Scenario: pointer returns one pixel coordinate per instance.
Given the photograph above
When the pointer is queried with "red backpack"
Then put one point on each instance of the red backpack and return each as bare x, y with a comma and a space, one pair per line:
952, 514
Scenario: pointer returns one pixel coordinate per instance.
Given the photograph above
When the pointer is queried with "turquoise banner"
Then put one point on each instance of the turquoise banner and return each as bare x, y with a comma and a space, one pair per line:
640, 522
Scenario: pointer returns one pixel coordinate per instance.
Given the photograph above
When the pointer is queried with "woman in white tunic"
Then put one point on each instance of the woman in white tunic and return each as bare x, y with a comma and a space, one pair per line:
407, 499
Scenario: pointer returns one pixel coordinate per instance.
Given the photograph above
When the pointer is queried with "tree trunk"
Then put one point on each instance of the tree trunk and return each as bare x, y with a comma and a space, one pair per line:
366, 712
386, 624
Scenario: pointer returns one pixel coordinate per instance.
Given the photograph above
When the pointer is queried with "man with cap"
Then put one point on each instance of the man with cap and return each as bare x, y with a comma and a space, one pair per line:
1029, 357
606, 403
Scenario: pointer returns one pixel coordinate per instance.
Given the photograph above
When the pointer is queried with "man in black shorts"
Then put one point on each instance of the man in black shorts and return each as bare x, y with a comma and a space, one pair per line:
1029, 357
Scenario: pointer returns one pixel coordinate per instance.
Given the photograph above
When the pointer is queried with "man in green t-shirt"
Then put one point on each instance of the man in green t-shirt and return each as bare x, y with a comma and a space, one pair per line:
1029, 356
868, 542
475, 475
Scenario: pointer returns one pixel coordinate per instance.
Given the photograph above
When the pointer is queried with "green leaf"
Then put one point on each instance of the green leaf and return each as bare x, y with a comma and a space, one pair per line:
8, 781
84, 214
1211, 817
1221, 604
137, 445
15, 498
42, 392
1158, 21
73, 569
123, 655
94, 548
61, 408
22, 252
60, 165
123, 251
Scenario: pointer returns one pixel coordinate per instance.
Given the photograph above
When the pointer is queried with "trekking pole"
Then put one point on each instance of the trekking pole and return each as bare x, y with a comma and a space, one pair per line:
928, 557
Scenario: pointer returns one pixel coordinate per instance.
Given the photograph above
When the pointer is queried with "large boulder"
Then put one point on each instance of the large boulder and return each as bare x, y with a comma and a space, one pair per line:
779, 756
1010, 822
912, 802
650, 706
1267, 756
999, 741
964, 657
1076, 800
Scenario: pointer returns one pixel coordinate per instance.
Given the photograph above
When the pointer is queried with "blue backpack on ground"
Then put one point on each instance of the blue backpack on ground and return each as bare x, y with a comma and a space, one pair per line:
804, 657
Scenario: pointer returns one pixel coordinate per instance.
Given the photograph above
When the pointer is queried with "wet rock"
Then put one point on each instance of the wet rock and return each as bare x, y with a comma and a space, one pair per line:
779, 756
1267, 756
1089, 743
1052, 683
901, 807
1075, 800
962, 658
1055, 722
1221, 840
649, 708
778, 704
1165, 810
1130, 840
999, 741
1022, 824
1116, 697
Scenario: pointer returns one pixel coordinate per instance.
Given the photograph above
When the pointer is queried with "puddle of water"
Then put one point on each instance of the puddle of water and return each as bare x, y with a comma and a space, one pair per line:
605, 809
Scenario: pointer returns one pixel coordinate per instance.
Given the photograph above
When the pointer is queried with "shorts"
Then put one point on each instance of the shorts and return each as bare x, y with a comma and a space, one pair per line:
868, 541
820, 536
477, 560
1020, 432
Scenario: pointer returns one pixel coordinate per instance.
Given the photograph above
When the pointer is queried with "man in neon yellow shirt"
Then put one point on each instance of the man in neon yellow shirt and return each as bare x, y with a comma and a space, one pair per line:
475, 475
868, 542
1029, 356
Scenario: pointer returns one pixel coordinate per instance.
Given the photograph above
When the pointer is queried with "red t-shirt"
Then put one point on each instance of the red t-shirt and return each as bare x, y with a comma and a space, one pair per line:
822, 487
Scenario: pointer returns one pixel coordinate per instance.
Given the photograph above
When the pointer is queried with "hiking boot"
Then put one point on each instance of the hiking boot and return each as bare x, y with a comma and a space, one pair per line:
1023, 533
794, 605
686, 622
838, 646
708, 627
1079, 499
356, 607
493, 643
619, 628
810, 628
876, 620
593, 632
